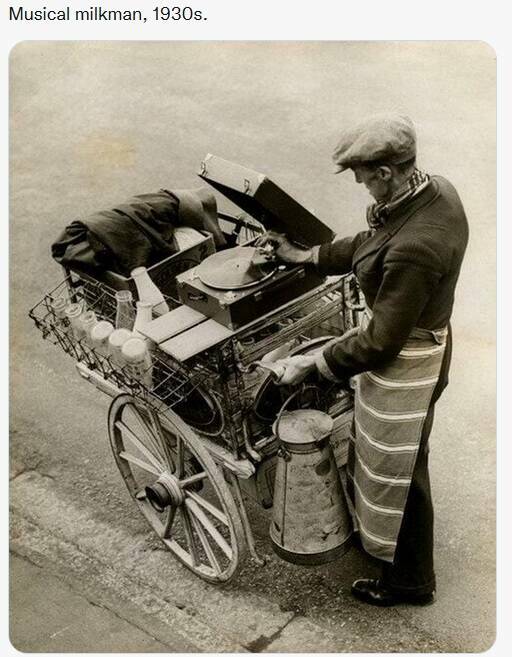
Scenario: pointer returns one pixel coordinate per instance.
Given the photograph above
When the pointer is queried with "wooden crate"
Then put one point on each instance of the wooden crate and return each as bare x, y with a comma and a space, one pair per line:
162, 273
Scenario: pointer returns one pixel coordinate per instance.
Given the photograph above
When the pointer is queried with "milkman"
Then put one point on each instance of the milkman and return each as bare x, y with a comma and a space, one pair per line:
407, 262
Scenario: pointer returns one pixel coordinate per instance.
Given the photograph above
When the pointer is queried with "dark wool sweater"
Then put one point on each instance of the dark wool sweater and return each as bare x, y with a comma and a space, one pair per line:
407, 270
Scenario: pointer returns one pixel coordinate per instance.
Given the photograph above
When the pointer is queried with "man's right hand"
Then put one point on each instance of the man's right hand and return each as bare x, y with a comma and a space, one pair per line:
284, 249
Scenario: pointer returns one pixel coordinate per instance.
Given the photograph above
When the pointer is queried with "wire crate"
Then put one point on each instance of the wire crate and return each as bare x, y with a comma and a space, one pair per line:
165, 383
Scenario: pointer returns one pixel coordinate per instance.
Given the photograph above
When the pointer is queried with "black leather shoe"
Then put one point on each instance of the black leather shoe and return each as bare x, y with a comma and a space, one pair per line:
373, 592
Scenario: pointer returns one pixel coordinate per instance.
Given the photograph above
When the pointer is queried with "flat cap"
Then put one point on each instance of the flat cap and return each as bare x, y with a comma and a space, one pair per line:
385, 137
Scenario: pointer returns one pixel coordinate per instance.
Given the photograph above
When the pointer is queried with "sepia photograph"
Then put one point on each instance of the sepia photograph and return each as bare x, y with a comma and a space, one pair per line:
252, 346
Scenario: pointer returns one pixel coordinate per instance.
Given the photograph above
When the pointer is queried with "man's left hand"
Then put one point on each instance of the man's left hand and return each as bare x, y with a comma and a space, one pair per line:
296, 369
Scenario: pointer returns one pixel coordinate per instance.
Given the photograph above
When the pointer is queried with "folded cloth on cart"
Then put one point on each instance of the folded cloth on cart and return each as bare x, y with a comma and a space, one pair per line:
137, 233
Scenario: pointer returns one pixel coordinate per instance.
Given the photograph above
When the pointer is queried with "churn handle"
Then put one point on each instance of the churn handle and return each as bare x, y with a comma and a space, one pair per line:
283, 408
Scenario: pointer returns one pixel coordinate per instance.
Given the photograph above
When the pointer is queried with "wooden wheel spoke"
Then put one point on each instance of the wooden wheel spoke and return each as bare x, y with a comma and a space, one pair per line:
208, 506
206, 545
193, 479
161, 439
190, 536
171, 514
150, 432
141, 495
143, 465
139, 445
195, 509
139, 418
180, 457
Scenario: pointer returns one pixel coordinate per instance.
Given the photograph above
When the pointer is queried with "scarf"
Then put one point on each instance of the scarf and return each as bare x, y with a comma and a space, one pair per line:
377, 213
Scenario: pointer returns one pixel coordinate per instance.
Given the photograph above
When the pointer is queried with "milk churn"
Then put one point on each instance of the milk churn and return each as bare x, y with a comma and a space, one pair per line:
311, 523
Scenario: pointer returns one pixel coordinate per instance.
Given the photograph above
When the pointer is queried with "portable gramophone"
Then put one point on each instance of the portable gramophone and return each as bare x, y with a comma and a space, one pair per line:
236, 286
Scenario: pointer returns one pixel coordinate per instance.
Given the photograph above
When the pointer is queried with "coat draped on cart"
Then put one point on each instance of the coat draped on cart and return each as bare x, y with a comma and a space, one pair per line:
138, 233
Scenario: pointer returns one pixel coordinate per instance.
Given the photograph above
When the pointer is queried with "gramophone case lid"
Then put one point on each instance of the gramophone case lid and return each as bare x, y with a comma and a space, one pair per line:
261, 198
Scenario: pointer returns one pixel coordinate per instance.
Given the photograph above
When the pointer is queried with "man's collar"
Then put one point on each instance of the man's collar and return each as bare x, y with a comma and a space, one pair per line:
378, 213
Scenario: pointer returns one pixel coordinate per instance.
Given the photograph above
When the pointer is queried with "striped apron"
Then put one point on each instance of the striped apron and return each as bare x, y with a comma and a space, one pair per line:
390, 407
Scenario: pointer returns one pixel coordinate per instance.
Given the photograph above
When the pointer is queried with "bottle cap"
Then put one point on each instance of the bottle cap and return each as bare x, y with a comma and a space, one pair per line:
119, 336
124, 295
135, 350
144, 304
137, 271
59, 303
101, 331
74, 310
89, 316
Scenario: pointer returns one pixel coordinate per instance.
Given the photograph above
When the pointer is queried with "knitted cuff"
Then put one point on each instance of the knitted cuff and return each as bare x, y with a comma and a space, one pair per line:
324, 369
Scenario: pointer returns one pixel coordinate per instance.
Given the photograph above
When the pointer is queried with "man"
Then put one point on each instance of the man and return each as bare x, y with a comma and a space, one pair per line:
407, 264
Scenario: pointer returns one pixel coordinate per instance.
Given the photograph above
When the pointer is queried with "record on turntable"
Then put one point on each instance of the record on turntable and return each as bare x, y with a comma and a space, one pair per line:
237, 286
235, 269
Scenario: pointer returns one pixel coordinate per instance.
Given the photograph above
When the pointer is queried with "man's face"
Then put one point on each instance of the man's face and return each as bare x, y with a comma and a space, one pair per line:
377, 181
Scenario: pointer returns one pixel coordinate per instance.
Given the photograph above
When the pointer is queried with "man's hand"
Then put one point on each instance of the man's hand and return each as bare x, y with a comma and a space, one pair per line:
284, 249
296, 369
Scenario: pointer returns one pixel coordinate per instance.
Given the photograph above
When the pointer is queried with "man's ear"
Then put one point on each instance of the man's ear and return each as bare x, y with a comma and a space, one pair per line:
385, 173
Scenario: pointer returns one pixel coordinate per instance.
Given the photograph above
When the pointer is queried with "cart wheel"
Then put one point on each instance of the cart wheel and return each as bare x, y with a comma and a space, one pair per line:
178, 487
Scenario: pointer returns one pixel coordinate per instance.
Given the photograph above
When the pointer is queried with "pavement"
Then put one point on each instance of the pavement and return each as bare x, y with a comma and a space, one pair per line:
92, 124
52, 616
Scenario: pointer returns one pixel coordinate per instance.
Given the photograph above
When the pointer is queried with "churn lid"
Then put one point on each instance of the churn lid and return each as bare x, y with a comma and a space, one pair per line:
303, 426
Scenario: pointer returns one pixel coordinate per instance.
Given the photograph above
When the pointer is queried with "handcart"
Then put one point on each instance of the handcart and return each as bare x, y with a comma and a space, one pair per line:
194, 443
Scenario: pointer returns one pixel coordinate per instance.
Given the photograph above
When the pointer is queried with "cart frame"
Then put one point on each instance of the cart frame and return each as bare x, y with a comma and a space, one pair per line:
181, 472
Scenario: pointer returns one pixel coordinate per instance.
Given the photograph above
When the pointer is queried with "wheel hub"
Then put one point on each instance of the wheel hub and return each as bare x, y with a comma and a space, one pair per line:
166, 491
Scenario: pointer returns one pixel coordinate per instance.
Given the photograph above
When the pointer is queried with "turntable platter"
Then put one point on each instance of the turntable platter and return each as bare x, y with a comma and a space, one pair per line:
233, 269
